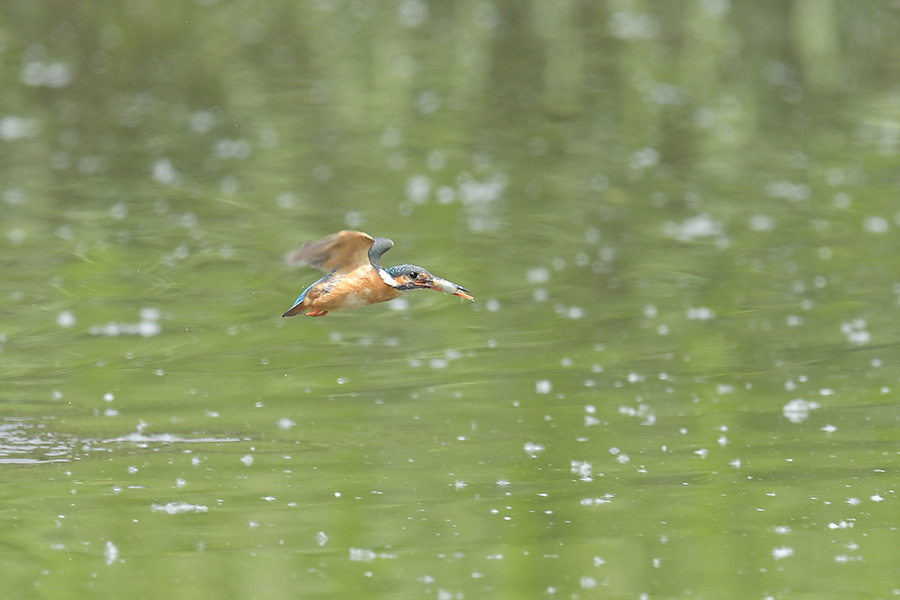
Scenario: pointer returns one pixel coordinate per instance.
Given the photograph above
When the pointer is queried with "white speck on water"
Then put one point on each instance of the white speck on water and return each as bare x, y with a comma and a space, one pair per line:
412, 13
700, 314
843, 558
575, 312
606, 499
286, 200
247, 459
14, 196
202, 121
285, 423
650, 311
110, 553
782, 529
322, 172
696, 227
588, 582
663, 330
460, 484
16, 235
66, 319
782, 552
180, 483
841, 525
829, 429
538, 275
110, 412
793, 320
391, 137
428, 102
788, 190
15, 128
108, 397
874, 224
702, 452
856, 332
797, 410
445, 194
736, 463
362, 555
543, 386
118, 211
230, 148
492, 305
503, 482
418, 189
633, 26
175, 508
321, 538
342, 380
723, 441
642, 411
164, 172
583, 469
400, 304
854, 501
762, 223
842, 201
148, 329
644, 158
51, 75
533, 449
876, 498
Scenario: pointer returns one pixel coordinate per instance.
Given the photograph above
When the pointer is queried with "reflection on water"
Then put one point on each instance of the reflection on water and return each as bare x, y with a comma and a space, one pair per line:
677, 378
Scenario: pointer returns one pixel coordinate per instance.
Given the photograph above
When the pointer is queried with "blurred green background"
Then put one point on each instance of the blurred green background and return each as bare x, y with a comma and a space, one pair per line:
679, 222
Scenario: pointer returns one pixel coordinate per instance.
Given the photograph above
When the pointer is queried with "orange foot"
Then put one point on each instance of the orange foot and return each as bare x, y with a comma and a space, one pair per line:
317, 313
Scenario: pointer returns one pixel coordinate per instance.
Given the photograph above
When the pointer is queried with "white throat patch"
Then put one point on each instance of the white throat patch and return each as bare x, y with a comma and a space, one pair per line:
386, 277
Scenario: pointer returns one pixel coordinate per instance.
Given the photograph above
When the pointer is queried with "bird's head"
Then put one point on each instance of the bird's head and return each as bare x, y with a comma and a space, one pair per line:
413, 277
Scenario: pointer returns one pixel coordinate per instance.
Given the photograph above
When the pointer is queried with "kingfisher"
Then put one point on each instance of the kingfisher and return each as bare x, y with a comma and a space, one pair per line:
355, 276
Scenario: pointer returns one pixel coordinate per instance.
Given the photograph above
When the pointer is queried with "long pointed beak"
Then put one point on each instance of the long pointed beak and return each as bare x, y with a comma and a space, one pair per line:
448, 287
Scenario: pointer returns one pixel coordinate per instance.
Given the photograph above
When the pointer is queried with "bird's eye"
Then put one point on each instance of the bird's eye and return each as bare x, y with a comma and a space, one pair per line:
414, 275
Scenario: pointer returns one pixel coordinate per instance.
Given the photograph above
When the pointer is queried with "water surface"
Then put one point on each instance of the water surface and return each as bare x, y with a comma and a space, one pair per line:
679, 375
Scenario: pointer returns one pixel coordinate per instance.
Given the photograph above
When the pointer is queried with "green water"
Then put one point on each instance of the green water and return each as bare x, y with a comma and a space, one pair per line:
678, 379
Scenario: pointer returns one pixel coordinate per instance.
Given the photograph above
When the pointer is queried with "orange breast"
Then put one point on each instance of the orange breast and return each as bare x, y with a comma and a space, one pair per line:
358, 288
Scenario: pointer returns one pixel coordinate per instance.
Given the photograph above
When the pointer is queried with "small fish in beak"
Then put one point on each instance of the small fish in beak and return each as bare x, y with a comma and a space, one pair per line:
448, 287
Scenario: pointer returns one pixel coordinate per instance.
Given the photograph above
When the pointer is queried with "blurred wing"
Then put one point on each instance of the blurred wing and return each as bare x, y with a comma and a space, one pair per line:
342, 251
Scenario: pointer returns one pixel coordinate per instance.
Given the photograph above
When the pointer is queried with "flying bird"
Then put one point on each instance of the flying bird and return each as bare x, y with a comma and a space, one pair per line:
355, 276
